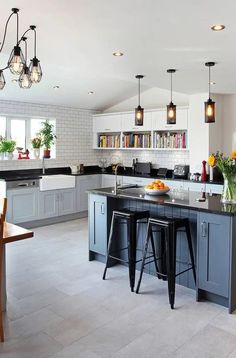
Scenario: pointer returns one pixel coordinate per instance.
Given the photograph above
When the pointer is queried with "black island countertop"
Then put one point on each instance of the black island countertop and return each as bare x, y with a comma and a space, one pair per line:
184, 199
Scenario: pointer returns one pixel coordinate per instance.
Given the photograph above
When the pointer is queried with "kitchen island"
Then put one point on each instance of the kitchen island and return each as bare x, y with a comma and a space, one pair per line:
213, 226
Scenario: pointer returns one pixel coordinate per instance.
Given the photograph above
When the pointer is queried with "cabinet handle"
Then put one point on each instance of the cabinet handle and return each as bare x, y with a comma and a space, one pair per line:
107, 129
102, 209
203, 229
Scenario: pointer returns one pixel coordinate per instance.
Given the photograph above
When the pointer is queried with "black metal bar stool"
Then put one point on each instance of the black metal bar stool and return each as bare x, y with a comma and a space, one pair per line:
131, 217
168, 228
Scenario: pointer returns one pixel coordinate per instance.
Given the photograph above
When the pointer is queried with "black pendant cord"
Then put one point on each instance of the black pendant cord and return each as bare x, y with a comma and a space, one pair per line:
5, 31
25, 51
171, 87
209, 83
139, 91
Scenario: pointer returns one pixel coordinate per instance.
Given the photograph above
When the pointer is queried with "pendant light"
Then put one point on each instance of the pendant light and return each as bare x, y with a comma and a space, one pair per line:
171, 107
35, 67
2, 80
24, 79
16, 60
209, 104
139, 111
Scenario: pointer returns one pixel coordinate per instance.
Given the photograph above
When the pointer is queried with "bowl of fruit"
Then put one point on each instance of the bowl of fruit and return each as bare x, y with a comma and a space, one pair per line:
156, 187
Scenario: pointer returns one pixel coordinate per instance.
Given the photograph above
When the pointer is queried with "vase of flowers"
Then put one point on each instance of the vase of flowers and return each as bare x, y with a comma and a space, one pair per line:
227, 166
36, 144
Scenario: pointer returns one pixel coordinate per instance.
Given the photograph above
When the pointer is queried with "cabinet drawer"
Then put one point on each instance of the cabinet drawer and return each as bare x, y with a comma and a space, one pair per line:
107, 123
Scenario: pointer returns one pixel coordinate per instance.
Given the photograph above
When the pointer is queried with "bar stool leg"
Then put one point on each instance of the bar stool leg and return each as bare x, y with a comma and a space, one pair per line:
163, 254
131, 234
154, 254
171, 263
109, 245
190, 247
144, 255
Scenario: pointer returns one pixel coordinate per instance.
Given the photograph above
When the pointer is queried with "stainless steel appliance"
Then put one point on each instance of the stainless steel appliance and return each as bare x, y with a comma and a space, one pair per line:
181, 171
22, 183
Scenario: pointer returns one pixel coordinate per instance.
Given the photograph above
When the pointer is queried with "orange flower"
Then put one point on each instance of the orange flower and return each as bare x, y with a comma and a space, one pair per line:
211, 160
233, 154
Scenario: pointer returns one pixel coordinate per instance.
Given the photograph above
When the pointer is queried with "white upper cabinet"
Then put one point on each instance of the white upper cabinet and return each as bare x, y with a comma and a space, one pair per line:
128, 122
107, 123
159, 120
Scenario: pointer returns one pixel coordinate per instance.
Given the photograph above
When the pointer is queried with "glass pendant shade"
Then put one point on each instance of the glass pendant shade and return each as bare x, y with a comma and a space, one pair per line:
171, 113
24, 79
16, 61
209, 111
139, 114
35, 70
2, 80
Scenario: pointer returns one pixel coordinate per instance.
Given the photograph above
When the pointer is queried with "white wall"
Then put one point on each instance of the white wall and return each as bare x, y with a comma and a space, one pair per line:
151, 98
229, 123
74, 139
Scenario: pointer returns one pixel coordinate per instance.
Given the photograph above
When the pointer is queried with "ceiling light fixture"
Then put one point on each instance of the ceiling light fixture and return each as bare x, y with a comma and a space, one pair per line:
218, 27
24, 79
90, 93
17, 63
171, 107
56, 87
139, 111
118, 54
209, 104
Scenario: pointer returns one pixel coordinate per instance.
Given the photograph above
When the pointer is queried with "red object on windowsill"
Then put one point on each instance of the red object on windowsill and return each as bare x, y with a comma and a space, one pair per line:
204, 174
23, 155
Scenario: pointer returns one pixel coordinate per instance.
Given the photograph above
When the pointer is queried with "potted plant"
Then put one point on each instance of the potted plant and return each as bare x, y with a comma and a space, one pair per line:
36, 144
1, 148
8, 146
48, 137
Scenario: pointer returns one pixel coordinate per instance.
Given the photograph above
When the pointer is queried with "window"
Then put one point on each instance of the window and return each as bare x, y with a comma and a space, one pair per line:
23, 130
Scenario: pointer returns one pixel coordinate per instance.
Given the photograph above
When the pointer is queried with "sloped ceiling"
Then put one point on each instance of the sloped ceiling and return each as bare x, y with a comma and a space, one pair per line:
76, 40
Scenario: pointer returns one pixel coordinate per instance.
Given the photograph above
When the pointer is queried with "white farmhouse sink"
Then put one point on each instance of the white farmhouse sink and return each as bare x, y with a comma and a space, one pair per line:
58, 181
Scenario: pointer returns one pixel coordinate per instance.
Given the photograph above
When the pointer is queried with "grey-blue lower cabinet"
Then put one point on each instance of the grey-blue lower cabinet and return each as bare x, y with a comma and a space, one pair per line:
22, 205
214, 253
54, 203
98, 224
84, 183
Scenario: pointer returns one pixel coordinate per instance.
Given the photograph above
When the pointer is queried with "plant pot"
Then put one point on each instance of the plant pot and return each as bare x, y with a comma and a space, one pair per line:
46, 153
8, 156
36, 153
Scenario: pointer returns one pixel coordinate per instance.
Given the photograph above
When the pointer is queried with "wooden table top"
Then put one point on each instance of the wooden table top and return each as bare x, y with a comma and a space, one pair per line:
13, 233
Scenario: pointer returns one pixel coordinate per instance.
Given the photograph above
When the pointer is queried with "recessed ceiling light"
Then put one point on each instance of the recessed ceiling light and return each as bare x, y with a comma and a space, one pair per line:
118, 54
212, 83
218, 27
56, 87
90, 92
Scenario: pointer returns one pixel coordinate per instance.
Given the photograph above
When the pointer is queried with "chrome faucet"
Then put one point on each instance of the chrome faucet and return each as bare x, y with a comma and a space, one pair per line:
43, 165
116, 184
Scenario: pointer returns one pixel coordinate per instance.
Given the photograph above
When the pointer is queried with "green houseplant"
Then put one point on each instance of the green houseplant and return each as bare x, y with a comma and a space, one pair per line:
7, 146
47, 135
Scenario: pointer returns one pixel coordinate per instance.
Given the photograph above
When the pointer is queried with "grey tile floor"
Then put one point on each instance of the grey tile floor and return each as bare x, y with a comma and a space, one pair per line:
59, 307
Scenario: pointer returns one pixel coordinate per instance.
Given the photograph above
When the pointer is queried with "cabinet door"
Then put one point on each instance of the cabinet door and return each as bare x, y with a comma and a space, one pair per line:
67, 201
98, 224
84, 183
107, 123
128, 122
48, 204
159, 120
214, 253
108, 181
22, 205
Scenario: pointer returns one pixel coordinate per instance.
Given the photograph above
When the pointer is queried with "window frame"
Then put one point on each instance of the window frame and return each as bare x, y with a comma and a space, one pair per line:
27, 119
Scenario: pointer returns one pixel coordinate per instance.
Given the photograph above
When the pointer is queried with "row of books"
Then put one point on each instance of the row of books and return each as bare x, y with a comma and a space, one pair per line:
137, 141
109, 141
170, 140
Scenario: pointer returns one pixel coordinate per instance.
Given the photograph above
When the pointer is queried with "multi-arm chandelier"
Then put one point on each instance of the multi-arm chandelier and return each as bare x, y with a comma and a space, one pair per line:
17, 62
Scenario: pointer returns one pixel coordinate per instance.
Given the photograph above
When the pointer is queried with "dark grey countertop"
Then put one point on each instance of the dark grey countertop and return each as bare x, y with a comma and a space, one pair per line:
183, 199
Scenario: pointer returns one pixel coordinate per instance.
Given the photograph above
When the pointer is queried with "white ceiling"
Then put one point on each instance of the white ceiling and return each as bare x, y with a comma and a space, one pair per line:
76, 40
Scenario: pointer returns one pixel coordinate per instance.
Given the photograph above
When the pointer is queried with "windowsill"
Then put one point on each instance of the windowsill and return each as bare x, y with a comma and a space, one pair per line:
24, 160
